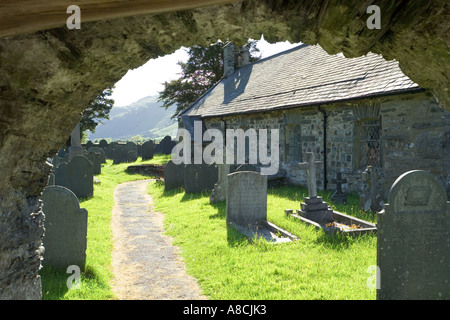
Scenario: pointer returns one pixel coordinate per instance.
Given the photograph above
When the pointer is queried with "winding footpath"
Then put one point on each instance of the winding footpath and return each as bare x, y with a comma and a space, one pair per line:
146, 266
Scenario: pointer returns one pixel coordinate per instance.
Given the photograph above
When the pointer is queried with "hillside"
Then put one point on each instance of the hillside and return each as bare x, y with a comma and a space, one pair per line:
144, 117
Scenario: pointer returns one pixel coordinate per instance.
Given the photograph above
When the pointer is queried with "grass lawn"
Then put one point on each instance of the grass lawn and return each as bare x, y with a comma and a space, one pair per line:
231, 266
96, 279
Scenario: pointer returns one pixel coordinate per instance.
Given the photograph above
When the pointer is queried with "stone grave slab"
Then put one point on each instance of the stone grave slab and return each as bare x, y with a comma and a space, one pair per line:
246, 207
199, 177
120, 154
76, 175
65, 228
148, 150
413, 240
173, 176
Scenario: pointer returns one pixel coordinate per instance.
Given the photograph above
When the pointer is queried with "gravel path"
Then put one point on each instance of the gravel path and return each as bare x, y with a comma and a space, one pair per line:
146, 266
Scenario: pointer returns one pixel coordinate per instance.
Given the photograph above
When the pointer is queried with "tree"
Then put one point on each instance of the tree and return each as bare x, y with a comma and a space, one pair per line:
97, 110
203, 70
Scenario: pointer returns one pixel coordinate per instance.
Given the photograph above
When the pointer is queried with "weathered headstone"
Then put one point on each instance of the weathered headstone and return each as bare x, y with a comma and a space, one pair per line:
96, 159
65, 228
173, 176
89, 144
219, 193
103, 143
413, 242
99, 150
314, 208
76, 175
339, 196
371, 196
131, 146
246, 198
199, 177
148, 150
132, 156
120, 154
167, 145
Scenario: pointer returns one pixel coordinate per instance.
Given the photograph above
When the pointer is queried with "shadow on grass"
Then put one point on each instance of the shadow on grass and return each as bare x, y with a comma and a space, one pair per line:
221, 208
54, 281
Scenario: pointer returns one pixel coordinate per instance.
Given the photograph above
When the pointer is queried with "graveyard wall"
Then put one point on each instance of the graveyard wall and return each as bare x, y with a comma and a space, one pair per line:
414, 134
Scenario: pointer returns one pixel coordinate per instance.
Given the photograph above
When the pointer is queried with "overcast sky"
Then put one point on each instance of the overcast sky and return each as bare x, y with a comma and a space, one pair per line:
147, 80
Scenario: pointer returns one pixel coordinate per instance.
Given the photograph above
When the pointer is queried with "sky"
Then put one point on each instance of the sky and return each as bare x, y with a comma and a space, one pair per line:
148, 79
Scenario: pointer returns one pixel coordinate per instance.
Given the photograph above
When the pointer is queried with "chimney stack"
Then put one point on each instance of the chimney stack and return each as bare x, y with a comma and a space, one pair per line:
228, 59
234, 58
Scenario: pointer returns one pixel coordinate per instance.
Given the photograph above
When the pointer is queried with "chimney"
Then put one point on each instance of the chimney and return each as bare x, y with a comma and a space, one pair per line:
234, 58
228, 59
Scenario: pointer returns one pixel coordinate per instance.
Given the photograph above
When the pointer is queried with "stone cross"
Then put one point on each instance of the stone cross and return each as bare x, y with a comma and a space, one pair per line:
75, 143
310, 166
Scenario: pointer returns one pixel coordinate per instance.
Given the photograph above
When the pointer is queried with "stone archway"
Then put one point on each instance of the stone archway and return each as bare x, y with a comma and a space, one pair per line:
49, 76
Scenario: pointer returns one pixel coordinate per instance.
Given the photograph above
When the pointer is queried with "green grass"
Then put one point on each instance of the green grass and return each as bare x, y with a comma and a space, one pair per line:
230, 266
227, 264
96, 279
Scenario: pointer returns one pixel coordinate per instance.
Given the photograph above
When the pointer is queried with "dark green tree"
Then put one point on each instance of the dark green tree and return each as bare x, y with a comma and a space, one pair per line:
97, 111
203, 69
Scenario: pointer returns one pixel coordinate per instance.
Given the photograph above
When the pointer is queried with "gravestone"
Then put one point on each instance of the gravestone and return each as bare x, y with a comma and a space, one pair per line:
76, 175
246, 198
96, 159
99, 150
131, 146
167, 145
173, 175
103, 143
120, 154
314, 208
65, 228
199, 177
219, 193
413, 242
148, 150
89, 144
338, 196
132, 156
371, 197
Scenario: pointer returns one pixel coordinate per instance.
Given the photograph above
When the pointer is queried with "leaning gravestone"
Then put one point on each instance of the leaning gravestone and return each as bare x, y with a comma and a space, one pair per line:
199, 177
246, 198
65, 228
413, 242
173, 176
76, 175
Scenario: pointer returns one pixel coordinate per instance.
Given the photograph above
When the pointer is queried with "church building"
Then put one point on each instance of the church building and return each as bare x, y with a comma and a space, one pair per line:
350, 112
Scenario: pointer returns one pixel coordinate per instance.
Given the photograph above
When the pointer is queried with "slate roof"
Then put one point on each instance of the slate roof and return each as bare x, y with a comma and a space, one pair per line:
304, 75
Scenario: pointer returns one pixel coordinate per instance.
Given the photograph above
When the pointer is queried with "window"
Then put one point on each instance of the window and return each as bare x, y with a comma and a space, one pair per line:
369, 141
294, 146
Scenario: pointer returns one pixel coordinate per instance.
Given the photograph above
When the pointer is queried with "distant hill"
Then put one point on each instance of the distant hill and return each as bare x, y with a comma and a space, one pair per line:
144, 117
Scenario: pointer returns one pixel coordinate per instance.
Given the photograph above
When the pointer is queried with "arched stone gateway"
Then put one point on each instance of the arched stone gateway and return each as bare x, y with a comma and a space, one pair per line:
48, 77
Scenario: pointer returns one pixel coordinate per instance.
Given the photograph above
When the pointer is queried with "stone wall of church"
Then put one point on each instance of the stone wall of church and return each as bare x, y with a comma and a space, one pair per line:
412, 132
